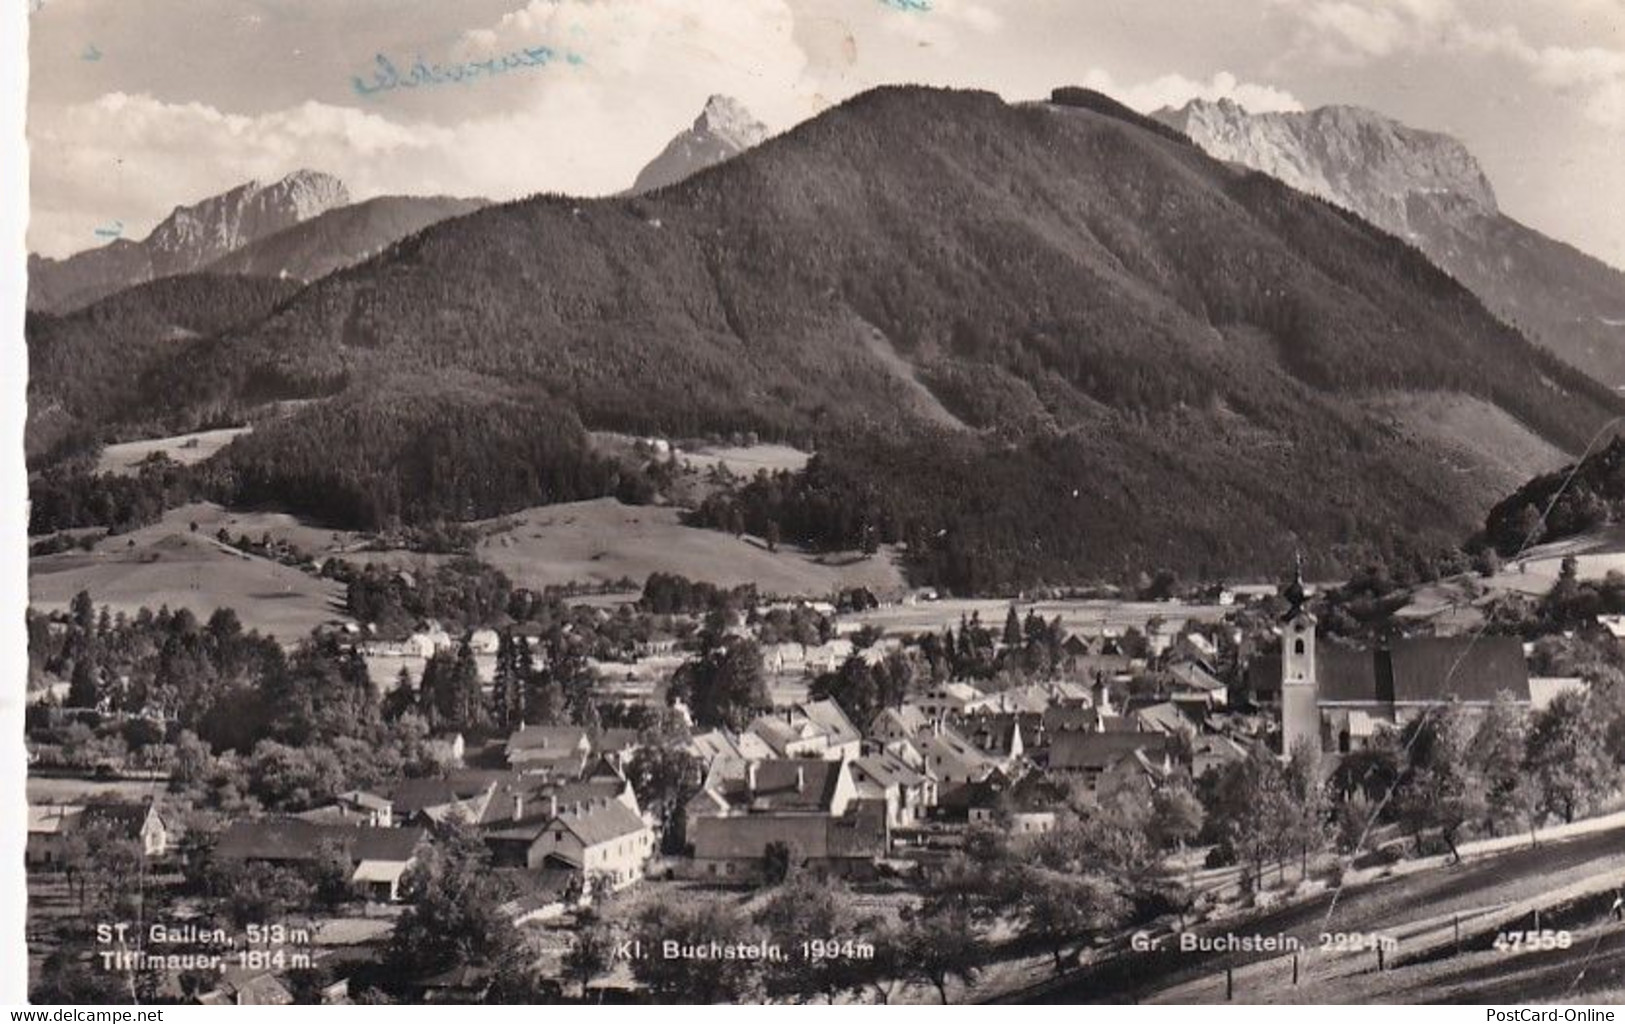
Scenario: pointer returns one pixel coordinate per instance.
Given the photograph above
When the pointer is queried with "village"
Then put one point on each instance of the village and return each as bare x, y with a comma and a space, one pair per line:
854, 771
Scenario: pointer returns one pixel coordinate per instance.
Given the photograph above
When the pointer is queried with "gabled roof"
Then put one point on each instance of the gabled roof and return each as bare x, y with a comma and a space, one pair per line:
615, 741
545, 739
992, 734
413, 795
51, 819
907, 720
1458, 668
290, 839
710, 745
1099, 750
783, 785
886, 770
1194, 676
828, 714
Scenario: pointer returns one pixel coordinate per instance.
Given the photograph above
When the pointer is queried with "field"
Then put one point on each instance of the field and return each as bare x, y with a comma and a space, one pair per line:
168, 564
183, 448
1082, 616
604, 540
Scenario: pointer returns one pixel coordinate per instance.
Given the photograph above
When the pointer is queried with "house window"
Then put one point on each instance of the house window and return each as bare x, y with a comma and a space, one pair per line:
558, 837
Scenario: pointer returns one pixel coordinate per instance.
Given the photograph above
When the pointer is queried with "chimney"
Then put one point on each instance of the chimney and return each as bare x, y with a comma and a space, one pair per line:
518, 806
750, 777
552, 805
801, 778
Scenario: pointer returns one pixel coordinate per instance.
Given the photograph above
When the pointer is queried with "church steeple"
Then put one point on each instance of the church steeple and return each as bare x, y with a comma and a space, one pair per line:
1300, 682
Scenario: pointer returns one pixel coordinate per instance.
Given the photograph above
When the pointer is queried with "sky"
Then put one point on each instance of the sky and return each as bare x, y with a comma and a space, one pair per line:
137, 106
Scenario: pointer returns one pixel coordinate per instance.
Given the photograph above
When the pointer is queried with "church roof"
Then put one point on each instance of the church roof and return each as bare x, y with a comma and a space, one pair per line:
1421, 670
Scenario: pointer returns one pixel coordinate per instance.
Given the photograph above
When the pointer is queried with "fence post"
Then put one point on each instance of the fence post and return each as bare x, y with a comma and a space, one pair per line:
1379, 956
1457, 922
1229, 984
1294, 968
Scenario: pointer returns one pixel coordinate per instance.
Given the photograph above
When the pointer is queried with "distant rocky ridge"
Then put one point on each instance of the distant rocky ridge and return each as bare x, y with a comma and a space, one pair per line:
189, 239
724, 129
1426, 188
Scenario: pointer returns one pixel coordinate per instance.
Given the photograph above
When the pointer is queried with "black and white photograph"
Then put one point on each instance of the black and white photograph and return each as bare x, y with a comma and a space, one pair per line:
836, 502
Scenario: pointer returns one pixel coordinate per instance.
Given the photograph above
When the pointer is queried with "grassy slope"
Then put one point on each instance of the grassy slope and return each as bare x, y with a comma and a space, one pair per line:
605, 540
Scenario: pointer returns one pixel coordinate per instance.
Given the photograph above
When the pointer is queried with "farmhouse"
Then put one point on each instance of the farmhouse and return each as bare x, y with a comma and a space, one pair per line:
379, 856
812, 807
598, 839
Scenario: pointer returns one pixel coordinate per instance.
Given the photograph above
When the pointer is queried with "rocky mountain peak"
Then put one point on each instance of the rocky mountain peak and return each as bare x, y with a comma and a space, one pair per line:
196, 235
724, 129
1356, 158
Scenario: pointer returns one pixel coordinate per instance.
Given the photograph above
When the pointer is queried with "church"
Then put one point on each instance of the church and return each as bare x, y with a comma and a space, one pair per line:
1339, 697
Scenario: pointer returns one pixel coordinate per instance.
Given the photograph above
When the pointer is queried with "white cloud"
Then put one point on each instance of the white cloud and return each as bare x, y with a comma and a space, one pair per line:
1176, 90
1360, 31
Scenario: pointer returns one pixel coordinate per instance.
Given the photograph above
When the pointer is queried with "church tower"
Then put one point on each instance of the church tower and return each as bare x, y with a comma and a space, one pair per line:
1300, 685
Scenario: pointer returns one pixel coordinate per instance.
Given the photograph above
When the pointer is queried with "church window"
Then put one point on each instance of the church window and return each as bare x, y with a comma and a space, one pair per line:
1297, 648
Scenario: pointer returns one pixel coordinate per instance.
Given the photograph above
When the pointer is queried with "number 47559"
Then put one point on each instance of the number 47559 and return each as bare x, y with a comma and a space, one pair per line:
1523, 942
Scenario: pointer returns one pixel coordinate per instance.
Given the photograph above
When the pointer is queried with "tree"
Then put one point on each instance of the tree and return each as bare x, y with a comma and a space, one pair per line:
1568, 756
663, 779
453, 911
1063, 910
1012, 629
1496, 756
84, 687
592, 953
689, 979
1176, 818
1309, 811
799, 911
724, 686
1439, 789
938, 947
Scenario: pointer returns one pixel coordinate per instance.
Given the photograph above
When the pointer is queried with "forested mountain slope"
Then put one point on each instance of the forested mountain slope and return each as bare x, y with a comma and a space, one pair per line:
1155, 357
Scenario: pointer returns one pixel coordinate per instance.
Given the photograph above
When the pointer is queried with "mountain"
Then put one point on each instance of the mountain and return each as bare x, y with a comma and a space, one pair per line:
1034, 342
1428, 189
723, 130
339, 237
188, 240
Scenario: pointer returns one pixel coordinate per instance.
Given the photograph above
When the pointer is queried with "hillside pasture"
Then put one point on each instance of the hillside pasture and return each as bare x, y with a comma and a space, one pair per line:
604, 540
168, 564
186, 449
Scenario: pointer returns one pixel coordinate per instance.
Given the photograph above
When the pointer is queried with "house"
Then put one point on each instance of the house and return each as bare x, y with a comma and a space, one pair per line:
1030, 699
814, 729
379, 857
446, 751
1191, 677
949, 758
600, 839
558, 749
429, 639
947, 698
1545, 689
48, 828
1166, 717
1212, 751
717, 749
812, 807
433, 802
999, 736
1094, 755
484, 641
893, 724
1028, 807
51, 825
909, 794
